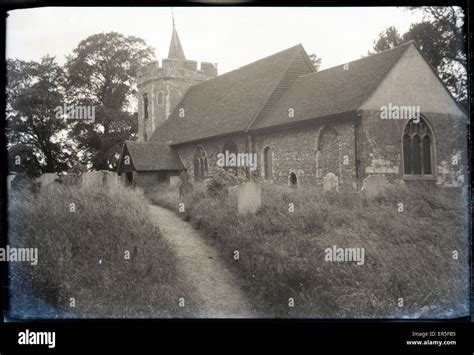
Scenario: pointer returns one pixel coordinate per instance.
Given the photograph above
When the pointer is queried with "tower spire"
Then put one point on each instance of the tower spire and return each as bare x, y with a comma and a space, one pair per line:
176, 50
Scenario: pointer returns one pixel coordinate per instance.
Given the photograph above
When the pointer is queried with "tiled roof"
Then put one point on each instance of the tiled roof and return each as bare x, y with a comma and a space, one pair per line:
151, 156
228, 103
258, 96
332, 91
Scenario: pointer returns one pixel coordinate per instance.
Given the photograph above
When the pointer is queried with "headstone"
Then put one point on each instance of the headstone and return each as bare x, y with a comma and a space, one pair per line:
47, 179
69, 179
10, 178
233, 195
330, 182
185, 187
100, 178
110, 178
249, 197
174, 181
374, 185
89, 178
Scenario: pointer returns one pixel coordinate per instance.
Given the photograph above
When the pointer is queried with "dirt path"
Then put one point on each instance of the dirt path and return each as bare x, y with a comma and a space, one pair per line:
217, 292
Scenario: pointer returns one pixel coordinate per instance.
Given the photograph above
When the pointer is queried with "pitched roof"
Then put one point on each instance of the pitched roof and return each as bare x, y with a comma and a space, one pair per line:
176, 50
227, 103
148, 156
231, 102
332, 91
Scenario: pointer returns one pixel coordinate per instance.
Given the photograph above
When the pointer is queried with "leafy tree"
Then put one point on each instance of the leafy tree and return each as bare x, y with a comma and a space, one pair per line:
102, 73
34, 134
387, 40
315, 60
440, 37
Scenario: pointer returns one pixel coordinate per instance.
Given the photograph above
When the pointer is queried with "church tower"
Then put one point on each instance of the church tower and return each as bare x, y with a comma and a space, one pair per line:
161, 88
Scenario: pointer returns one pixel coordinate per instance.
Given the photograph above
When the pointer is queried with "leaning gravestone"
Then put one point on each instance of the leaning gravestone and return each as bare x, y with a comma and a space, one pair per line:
330, 182
374, 185
249, 197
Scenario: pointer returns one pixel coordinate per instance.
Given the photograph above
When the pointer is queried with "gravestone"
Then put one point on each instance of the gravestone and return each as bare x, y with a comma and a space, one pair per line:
46, 179
330, 182
374, 185
233, 195
10, 178
185, 187
249, 197
69, 179
110, 178
91, 178
100, 178
174, 181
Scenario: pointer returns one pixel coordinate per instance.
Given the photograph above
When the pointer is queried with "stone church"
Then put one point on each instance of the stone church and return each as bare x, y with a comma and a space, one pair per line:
386, 115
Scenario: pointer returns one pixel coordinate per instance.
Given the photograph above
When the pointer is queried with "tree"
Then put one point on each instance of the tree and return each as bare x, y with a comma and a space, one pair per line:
387, 40
315, 60
36, 138
440, 37
102, 73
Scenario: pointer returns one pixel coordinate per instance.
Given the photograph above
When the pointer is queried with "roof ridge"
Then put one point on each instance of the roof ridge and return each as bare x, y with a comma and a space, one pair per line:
147, 156
280, 60
267, 57
301, 51
363, 58
246, 65
327, 94
290, 62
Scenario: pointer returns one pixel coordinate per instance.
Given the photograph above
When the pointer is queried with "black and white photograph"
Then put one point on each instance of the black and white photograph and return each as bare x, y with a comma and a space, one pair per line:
237, 163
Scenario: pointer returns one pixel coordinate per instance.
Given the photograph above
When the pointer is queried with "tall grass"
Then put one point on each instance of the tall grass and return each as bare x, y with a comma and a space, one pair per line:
83, 236
409, 269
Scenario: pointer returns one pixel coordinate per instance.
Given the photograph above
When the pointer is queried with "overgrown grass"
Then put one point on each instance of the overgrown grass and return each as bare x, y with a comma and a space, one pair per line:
408, 255
83, 236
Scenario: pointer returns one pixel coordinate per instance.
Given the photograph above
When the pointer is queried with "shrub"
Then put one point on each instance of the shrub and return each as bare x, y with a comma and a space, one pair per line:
218, 183
407, 254
83, 235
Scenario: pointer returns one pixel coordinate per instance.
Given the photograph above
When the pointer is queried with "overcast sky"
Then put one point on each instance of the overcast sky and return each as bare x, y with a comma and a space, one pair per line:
229, 36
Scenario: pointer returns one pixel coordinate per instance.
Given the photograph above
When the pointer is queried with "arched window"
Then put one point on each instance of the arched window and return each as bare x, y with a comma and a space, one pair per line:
200, 164
292, 180
159, 99
418, 149
230, 148
267, 163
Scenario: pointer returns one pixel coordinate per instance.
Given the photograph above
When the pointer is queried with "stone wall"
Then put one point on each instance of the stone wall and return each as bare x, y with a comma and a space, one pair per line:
293, 151
212, 148
380, 147
311, 153
317, 151
165, 86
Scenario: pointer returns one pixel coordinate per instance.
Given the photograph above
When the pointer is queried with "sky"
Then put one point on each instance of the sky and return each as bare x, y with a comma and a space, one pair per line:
229, 36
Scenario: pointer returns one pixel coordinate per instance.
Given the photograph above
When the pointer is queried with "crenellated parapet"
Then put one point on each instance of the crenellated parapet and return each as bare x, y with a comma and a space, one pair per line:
176, 69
